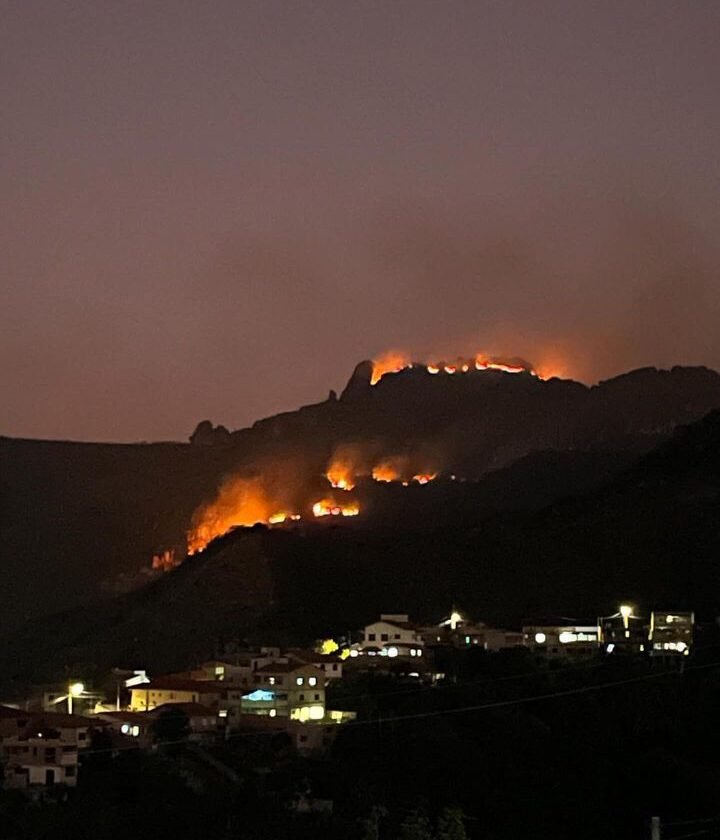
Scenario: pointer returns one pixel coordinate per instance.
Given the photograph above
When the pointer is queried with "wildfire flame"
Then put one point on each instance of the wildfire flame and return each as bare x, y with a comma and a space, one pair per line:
240, 501
424, 478
165, 560
391, 362
282, 516
331, 507
390, 469
395, 360
341, 472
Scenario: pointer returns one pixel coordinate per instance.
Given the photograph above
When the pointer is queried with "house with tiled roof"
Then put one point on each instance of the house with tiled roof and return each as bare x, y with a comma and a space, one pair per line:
40, 749
161, 690
291, 689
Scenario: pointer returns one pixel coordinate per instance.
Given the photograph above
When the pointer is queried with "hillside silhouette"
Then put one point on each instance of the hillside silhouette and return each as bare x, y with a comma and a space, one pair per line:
82, 521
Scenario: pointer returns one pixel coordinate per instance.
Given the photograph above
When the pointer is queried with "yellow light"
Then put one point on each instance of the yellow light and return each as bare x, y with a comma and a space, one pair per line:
625, 610
328, 646
76, 689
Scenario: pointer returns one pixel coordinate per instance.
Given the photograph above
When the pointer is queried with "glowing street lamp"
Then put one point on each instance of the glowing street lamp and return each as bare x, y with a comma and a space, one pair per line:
74, 690
626, 613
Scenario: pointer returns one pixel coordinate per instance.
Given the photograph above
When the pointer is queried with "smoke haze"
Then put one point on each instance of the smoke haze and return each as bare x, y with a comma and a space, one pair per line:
216, 210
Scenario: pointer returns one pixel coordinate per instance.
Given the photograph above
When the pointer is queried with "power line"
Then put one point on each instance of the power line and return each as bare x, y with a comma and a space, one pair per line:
440, 712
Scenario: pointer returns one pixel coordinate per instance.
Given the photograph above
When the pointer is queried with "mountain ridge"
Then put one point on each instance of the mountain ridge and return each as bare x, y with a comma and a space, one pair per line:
79, 520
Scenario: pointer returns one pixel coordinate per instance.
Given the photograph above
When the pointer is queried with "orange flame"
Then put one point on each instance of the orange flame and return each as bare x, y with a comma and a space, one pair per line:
424, 478
391, 362
396, 360
390, 469
240, 501
282, 516
341, 473
166, 560
330, 507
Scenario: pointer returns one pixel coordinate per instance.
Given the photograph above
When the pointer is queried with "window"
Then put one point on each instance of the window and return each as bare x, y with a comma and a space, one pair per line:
371, 637
384, 637
317, 696
397, 635
334, 667
302, 696
299, 680
70, 771
303, 739
312, 681
82, 736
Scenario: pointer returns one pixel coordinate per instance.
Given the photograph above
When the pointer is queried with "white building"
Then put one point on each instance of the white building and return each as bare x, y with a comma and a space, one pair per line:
40, 749
287, 689
562, 640
392, 635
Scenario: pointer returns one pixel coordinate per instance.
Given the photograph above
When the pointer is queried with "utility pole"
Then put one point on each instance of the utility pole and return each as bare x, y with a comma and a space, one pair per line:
655, 828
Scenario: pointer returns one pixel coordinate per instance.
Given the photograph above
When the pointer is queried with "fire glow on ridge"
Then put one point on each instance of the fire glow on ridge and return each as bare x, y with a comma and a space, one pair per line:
394, 361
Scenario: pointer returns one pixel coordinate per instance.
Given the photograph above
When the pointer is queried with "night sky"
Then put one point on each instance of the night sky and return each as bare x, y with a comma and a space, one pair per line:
216, 208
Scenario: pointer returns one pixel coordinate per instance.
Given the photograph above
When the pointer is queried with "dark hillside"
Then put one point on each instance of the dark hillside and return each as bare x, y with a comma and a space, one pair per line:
81, 520
651, 536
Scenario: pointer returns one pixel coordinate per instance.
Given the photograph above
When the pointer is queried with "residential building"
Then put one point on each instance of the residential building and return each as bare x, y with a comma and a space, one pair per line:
129, 727
202, 720
623, 632
287, 689
671, 633
562, 640
161, 690
392, 635
40, 749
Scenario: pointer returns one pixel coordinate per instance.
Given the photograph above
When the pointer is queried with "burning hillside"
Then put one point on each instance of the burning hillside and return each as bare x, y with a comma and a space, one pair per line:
276, 499
395, 361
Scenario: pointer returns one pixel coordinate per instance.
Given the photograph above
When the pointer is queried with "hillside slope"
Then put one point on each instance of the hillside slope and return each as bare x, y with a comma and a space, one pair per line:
81, 520
650, 536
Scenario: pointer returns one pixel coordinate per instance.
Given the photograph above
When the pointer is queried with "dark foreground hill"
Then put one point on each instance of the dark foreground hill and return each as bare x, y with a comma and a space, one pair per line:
81, 520
651, 536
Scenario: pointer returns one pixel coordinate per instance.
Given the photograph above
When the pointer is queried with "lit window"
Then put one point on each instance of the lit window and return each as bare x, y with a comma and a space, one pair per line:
135, 731
540, 638
271, 680
419, 651
272, 712
312, 681
299, 680
125, 729
223, 713
392, 652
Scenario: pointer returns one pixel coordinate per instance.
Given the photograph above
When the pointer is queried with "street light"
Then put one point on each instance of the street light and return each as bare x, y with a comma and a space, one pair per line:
625, 612
74, 690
